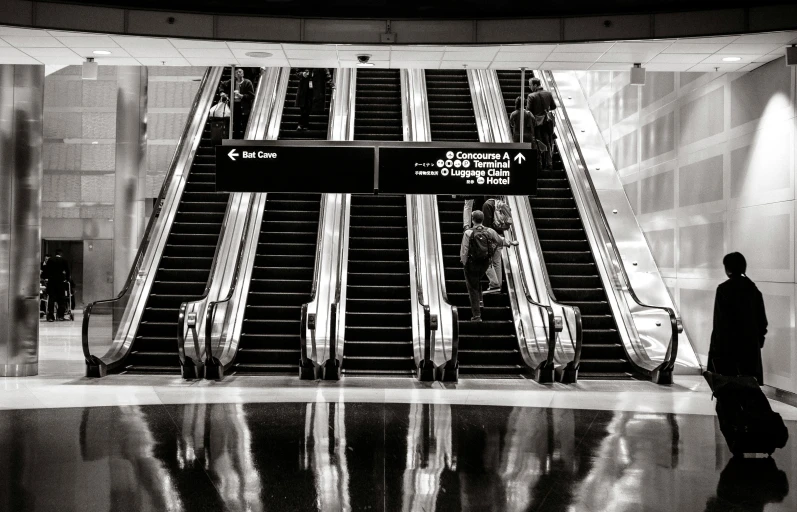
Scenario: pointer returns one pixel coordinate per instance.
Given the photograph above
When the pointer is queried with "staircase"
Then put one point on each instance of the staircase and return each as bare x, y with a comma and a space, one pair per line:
378, 308
282, 276
488, 348
570, 263
185, 265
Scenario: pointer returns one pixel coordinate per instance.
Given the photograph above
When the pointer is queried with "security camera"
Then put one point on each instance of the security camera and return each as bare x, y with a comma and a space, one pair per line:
363, 59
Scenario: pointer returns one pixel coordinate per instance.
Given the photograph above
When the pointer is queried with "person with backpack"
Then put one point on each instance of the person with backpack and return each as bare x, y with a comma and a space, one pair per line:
498, 216
541, 104
479, 244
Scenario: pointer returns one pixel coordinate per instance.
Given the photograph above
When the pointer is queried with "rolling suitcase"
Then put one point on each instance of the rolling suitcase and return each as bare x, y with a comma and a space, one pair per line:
746, 419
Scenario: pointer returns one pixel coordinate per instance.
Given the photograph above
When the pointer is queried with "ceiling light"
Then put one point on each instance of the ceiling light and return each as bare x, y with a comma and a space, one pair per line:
101, 52
731, 59
258, 55
95, 142
365, 64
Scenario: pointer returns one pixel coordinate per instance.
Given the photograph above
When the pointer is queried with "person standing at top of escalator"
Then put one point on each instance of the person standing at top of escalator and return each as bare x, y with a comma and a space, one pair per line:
541, 104
311, 93
243, 96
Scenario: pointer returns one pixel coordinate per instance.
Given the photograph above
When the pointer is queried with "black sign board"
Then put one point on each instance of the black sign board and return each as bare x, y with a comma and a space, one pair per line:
265, 166
461, 169
456, 168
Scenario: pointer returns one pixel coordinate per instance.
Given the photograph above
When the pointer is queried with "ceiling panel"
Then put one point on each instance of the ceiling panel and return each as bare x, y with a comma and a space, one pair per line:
538, 48
313, 63
573, 57
471, 64
516, 57
193, 43
352, 54
32, 41
583, 48
241, 53
208, 62
208, 53
609, 66
121, 61
680, 47
50, 52
173, 61
311, 54
677, 58
510, 65
254, 46
670, 66
565, 65
89, 52
639, 47
87, 41
625, 57
14, 31
755, 49
147, 51
772, 38
721, 68
354, 64
61, 60
403, 56
717, 59
478, 53
129, 42
9, 52
709, 40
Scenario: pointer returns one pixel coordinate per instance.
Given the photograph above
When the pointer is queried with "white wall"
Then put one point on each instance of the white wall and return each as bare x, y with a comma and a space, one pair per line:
708, 163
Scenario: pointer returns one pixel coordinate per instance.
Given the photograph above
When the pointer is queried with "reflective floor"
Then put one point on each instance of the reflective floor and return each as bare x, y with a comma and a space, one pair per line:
369, 456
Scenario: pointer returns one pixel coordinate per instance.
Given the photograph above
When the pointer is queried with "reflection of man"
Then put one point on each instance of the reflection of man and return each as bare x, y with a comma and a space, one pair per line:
56, 271
749, 483
243, 96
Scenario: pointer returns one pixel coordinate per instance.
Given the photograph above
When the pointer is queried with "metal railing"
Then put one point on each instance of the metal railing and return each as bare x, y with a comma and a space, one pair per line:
661, 373
122, 312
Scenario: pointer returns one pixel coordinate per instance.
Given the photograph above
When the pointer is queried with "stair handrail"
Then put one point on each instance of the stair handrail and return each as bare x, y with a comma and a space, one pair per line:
184, 316
420, 296
675, 323
335, 306
95, 366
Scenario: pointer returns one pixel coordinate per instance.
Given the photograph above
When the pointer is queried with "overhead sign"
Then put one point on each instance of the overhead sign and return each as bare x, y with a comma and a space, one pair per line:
484, 169
351, 167
272, 167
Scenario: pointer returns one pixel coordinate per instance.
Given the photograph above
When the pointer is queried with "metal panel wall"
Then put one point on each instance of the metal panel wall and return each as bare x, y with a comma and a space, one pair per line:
21, 101
708, 162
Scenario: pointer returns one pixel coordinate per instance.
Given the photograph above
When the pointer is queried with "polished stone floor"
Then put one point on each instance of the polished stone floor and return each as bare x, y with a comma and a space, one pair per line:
140, 443
355, 456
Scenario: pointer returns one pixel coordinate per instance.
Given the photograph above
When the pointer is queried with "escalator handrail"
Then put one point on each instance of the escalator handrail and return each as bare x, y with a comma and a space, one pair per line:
672, 349
322, 221
333, 338
427, 347
145, 240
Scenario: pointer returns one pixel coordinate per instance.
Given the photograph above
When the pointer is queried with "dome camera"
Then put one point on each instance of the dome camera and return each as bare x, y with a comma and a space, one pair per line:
364, 59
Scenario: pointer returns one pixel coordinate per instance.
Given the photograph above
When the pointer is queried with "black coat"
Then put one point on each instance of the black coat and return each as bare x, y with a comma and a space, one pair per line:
539, 102
740, 325
315, 96
56, 271
247, 90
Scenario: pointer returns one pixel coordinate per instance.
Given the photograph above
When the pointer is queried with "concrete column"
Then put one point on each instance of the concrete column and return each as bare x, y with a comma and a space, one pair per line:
21, 107
131, 169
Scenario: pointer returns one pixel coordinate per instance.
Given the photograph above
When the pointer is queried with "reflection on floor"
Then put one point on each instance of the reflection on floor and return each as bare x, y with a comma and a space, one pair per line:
355, 456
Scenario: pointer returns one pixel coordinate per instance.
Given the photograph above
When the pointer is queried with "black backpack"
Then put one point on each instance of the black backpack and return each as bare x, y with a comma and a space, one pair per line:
481, 247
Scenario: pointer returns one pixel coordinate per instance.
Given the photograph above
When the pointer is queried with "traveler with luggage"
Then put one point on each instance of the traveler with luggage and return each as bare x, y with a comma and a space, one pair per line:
498, 216
56, 271
740, 323
541, 104
735, 372
479, 244
471, 203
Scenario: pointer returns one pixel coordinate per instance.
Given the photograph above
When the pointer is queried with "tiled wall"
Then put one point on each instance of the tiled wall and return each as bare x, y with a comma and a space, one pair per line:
708, 163
79, 157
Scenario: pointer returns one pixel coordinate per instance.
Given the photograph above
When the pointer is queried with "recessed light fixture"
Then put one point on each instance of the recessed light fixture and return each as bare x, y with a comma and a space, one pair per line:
258, 55
731, 59
94, 142
101, 52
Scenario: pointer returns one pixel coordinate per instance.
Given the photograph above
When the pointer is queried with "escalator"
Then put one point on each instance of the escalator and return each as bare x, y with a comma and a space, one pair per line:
185, 265
378, 311
282, 276
487, 348
570, 263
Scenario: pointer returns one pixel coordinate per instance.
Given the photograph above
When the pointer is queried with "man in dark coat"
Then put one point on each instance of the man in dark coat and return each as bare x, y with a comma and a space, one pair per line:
56, 271
539, 102
243, 97
311, 94
740, 323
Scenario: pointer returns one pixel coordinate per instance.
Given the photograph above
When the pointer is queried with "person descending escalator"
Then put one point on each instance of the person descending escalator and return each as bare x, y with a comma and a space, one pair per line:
541, 103
243, 97
311, 94
479, 245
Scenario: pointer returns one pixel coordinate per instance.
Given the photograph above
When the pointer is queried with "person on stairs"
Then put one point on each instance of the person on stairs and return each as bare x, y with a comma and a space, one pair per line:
528, 124
479, 244
243, 97
541, 104
311, 94
495, 273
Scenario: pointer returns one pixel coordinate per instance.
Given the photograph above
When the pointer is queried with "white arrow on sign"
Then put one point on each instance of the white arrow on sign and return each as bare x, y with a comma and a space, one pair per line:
232, 154
519, 158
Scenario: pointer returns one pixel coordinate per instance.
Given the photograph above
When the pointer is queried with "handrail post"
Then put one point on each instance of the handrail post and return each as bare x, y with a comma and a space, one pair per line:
449, 371
308, 368
189, 368
331, 367
213, 367
426, 368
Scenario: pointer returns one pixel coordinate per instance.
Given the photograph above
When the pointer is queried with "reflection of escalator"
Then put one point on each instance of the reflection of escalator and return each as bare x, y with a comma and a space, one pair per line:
185, 266
488, 347
282, 276
378, 313
570, 263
